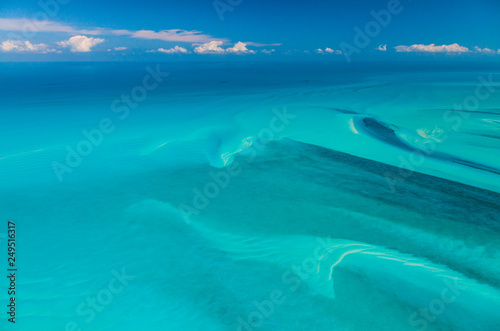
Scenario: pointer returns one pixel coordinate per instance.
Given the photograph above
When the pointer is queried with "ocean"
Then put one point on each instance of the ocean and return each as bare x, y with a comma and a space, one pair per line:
252, 196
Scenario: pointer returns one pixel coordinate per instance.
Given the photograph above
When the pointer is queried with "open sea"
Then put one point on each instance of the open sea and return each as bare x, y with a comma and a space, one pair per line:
252, 196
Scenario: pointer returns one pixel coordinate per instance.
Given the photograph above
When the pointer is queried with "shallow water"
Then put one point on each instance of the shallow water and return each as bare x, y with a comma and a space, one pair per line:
251, 196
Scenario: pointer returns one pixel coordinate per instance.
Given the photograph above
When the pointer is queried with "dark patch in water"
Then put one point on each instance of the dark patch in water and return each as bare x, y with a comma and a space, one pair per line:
384, 132
340, 110
485, 135
344, 111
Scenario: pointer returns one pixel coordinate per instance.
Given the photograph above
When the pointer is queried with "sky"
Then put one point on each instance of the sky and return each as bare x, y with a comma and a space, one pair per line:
77, 30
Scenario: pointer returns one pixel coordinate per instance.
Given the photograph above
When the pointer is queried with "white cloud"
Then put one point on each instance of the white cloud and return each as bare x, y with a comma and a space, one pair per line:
120, 48
24, 46
382, 48
176, 49
484, 50
249, 43
240, 48
432, 48
176, 35
331, 51
213, 47
268, 51
328, 50
80, 43
210, 47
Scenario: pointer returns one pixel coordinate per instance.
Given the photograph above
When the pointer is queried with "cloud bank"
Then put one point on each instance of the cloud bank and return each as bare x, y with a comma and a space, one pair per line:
30, 27
432, 48
79, 42
213, 47
24, 46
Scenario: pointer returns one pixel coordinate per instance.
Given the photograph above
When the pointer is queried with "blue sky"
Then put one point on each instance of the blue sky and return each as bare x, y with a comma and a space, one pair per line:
59, 30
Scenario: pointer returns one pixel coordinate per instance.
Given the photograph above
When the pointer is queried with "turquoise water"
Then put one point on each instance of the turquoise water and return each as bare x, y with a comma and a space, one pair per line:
251, 196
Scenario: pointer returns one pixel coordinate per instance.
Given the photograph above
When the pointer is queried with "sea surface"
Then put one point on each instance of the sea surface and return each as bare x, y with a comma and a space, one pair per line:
251, 196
